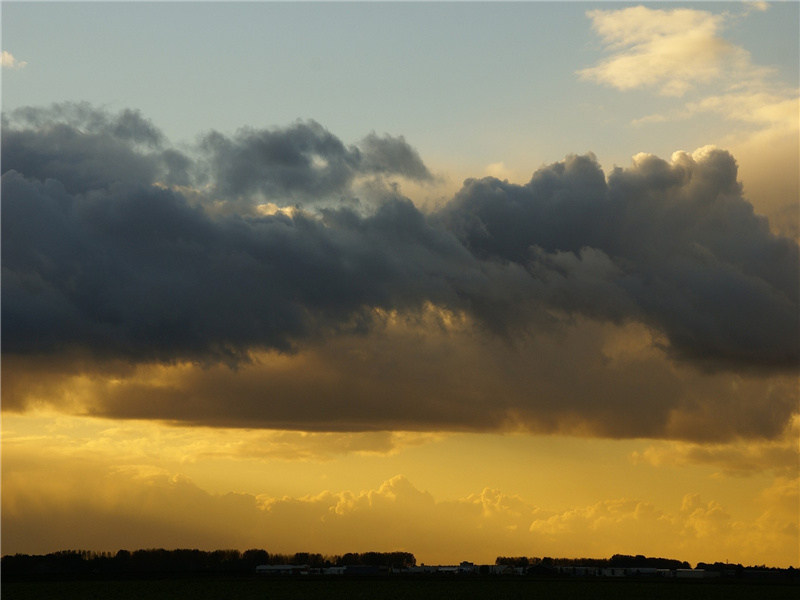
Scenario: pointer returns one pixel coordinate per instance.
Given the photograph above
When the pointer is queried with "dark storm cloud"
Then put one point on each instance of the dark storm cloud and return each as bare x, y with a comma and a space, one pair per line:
103, 257
673, 244
392, 156
86, 149
130, 268
136, 271
304, 161
127, 125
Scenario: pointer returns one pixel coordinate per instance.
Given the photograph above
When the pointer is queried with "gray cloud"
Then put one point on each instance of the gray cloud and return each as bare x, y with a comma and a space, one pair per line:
86, 149
673, 244
101, 258
130, 268
128, 125
136, 271
303, 162
392, 156
303, 159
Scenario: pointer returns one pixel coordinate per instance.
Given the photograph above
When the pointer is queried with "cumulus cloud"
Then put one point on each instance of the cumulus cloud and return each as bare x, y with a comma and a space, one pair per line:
304, 162
9, 62
631, 246
393, 156
127, 256
85, 149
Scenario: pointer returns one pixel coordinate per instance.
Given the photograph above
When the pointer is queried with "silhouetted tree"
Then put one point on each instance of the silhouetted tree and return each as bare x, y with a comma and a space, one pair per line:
252, 558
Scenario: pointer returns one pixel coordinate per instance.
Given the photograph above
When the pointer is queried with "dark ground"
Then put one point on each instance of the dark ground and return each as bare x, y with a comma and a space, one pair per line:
389, 588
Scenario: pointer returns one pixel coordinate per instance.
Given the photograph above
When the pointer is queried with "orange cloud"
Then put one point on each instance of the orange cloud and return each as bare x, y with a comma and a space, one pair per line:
435, 373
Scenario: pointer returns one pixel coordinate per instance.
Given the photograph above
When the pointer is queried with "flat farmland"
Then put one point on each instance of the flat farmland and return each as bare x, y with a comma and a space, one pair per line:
388, 588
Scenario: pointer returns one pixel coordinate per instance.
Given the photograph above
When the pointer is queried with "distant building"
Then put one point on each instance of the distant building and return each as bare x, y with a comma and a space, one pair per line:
690, 573
364, 570
467, 568
281, 569
502, 570
613, 572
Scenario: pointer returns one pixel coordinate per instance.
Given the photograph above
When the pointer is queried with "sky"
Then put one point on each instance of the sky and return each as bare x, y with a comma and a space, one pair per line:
459, 279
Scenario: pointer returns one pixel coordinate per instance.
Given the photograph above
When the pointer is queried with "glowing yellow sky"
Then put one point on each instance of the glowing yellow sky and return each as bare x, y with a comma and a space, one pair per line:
99, 483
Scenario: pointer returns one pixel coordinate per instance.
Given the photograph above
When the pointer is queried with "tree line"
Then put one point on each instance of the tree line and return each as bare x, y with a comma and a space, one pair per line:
159, 560
618, 561
639, 561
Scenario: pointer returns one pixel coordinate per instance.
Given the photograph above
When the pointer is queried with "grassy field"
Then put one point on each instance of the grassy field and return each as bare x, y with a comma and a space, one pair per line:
345, 588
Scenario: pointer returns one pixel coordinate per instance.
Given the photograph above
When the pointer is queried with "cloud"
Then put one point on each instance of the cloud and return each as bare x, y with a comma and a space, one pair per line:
632, 246
84, 149
669, 50
9, 62
773, 111
771, 174
135, 442
130, 261
700, 530
303, 159
681, 50
738, 458
128, 126
758, 5
392, 156
590, 379
304, 162
179, 274
498, 170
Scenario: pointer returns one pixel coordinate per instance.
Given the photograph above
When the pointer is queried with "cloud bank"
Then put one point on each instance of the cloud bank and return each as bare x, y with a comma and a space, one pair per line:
349, 301
147, 507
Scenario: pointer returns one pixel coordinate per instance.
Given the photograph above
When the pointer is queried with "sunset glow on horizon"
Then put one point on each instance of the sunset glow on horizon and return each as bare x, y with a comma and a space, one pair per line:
379, 277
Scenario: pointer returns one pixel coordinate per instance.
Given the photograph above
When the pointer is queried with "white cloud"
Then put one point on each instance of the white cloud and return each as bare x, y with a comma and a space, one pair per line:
671, 51
9, 62
677, 51
773, 110
756, 5
499, 170
760, 107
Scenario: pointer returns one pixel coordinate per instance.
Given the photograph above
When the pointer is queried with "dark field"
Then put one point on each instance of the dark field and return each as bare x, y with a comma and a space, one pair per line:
388, 588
